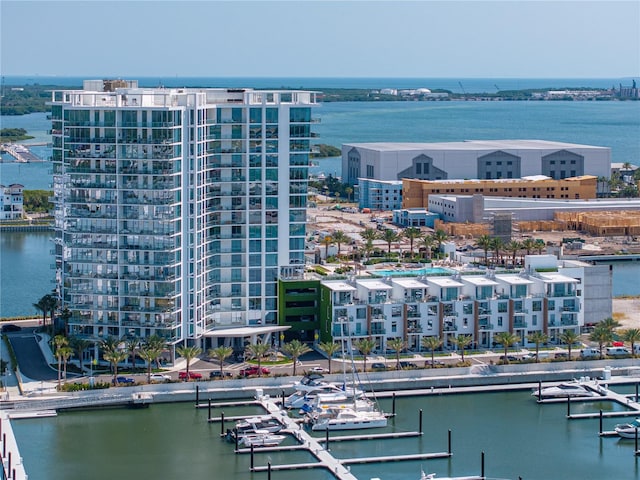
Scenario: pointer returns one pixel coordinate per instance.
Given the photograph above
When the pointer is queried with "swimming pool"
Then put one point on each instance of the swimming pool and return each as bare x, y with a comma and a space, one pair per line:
414, 272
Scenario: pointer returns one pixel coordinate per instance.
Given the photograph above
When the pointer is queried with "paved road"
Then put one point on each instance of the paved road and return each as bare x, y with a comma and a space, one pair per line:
30, 359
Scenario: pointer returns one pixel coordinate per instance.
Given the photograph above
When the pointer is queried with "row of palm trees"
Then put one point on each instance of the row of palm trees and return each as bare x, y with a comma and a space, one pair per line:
605, 331
414, 235
513, 247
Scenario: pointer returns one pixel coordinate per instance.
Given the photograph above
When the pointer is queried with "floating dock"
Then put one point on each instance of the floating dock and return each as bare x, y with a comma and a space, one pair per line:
20, 153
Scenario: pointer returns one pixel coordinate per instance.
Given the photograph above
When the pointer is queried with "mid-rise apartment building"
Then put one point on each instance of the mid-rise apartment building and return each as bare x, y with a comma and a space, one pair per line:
11, 202
546, 297
176, 209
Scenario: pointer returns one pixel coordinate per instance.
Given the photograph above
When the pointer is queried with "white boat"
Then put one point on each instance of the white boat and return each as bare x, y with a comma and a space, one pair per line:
628, 430
261, 438
348, 419
304, 399
583, 387
254, 424
343, 411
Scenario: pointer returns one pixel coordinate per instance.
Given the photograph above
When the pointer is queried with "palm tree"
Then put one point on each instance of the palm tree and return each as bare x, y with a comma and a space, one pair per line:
496, 245
150, 351
113, 354
397, 344
41, 307
339, 237
631, 335
65, 315
506, 339
327, 241
427, 242
431, 343
50, 303
538, 338
348, 191
365, 346
295, 349
60, 343
389, 236
221, 354
569, 337
258, 351
66, 353
514, 247
484, 242
540, 245
131, 345
462, 342
609, 323
368, 235
528, 244
440, 236
79, 345
411, 233
329, 348
601, 335
188, 353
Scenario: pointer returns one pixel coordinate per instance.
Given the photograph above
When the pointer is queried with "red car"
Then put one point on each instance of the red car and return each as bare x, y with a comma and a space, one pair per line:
192, 376
245, 372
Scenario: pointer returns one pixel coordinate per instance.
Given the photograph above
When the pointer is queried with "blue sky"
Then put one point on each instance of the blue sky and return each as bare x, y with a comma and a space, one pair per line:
312, 38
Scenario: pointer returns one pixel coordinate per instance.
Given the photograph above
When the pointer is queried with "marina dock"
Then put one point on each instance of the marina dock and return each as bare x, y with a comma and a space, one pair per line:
20, 153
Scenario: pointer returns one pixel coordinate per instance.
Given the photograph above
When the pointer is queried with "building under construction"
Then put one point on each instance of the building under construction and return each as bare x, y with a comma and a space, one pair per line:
601, 223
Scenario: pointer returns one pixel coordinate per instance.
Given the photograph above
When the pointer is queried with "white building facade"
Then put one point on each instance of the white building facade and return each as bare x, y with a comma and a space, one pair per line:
177, 208
446, 306
11, 202
481, 159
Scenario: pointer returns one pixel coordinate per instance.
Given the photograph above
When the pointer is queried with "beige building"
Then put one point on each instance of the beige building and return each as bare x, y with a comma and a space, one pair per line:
415, 193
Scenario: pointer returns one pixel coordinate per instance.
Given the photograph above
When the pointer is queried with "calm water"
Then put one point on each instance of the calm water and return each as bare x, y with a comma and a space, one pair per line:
519, 438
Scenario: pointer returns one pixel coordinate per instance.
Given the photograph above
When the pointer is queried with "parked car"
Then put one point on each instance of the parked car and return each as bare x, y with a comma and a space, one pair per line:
508, 358
215, 374
246, 372
589, 352
192, 376
318, 370
123, 380
378, 366
159, 377
407, 365
617, 351
561, 356
10, 327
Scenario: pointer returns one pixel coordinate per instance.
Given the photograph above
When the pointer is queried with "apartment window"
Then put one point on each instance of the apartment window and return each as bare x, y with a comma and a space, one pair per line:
499, 321
536, 306
502, 307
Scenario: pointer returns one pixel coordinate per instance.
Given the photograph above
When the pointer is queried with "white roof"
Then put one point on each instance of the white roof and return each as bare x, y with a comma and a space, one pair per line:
488, 145
339, 286
374, 284
444, 282
409, 283
479, 281
514, 279
557, 278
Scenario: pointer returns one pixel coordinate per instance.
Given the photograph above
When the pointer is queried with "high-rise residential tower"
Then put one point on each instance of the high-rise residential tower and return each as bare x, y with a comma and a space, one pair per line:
177, 209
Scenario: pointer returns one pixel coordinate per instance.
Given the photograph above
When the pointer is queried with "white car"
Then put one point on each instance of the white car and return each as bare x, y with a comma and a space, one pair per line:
318, 370
159, 377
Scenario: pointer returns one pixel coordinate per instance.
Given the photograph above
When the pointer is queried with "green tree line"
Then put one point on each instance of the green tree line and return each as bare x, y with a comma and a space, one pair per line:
37, 201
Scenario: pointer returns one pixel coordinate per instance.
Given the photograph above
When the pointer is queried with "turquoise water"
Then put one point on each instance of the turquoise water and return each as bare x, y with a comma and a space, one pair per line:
411, 272
519, 437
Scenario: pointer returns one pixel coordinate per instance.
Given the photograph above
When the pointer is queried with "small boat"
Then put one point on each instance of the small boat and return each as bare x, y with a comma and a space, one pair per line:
583, 387
261, 438
264, 423
349, 419
628, 430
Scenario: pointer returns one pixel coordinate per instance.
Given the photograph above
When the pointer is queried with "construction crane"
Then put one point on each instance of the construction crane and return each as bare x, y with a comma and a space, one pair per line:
497, 88
462, 88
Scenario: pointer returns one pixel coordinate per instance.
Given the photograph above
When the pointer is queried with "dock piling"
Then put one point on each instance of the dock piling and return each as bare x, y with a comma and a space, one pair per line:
235, 435
539, 390
197, 395
252, 447
636, 437
209, 411
268, 470
282, 398
482, 465
600, 432
326, 439
393, 404
636, 393
449, 443
568, 406
221, 422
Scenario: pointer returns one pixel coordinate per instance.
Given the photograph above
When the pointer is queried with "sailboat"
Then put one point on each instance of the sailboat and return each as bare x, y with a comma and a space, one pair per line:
335, 412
